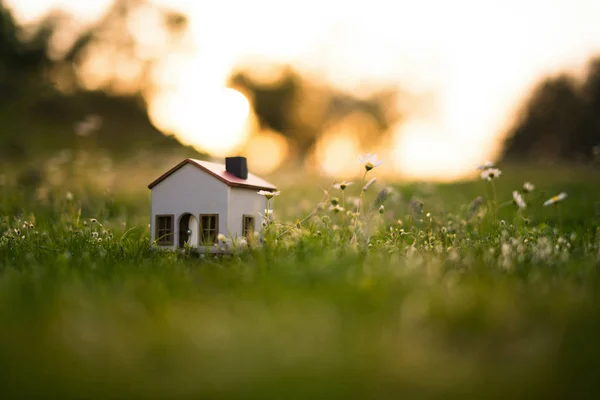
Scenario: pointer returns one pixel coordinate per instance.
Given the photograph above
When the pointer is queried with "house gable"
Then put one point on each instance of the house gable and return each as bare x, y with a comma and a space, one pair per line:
218, 171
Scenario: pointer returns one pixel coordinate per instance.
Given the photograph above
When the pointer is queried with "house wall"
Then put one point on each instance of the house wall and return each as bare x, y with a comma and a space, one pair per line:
189, 190
244, 201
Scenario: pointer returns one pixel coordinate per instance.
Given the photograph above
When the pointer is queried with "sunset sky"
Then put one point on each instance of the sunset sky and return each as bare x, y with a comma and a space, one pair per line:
476, 59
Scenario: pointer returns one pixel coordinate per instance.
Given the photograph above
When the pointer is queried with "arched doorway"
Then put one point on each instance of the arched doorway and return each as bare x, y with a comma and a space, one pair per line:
188, 230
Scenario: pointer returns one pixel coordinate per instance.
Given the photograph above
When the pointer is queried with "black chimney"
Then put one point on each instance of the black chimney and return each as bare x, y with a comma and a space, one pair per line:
237, 166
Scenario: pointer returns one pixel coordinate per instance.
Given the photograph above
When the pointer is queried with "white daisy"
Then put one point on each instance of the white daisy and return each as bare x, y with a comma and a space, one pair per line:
484, 166
342, 185
269, 195
490, 174
528, 187
336, 209
555, 199
518, 199
370, 161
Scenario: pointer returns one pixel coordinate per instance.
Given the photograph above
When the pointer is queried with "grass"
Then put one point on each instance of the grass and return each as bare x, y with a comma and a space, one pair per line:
433, 298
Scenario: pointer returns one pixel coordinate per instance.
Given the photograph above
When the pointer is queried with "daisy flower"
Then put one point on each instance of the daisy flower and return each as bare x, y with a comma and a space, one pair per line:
342, 185
555, 199
518, 199
490, 174
370, 161
528, 187
381, 209
484, 166
336, 209
269, 195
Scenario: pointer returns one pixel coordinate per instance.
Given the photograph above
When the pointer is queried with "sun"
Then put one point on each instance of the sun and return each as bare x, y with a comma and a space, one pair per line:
214, 120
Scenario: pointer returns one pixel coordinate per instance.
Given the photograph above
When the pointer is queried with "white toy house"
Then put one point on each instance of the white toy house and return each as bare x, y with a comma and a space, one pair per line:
197, 200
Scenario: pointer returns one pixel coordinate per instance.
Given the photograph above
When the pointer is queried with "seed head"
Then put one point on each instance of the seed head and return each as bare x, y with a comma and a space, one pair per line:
368, 185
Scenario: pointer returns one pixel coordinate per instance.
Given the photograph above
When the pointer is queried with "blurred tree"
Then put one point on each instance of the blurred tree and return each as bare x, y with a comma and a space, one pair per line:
43, 94
560, 120
22, 61
302, 110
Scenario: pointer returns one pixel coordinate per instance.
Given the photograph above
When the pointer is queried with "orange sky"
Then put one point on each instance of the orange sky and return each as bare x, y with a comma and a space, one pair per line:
448, 49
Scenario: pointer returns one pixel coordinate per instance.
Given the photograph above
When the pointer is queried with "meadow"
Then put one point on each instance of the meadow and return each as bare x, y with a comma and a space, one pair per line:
448, 290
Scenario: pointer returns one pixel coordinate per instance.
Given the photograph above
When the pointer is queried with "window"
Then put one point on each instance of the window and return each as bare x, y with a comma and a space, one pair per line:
247, 225
164, 230
209, 228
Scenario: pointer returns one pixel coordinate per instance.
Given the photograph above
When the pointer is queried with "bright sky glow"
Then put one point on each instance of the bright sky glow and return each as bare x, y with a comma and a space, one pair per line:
478, 58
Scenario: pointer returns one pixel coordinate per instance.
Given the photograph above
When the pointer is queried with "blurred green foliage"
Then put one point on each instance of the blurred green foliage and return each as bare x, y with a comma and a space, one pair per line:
446, 303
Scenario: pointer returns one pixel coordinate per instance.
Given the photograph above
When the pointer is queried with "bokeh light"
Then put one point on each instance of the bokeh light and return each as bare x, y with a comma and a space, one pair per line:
476, 63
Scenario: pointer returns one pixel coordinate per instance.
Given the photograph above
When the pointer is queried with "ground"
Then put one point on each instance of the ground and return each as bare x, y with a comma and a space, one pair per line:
438, 296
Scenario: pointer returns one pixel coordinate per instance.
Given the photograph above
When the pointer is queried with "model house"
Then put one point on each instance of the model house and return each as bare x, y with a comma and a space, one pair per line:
197, 200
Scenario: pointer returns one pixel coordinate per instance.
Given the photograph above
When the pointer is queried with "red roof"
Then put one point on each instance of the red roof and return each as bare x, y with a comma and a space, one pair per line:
218, 171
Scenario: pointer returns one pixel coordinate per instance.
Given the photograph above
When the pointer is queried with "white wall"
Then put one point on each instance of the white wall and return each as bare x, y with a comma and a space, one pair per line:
189, 190
244, 201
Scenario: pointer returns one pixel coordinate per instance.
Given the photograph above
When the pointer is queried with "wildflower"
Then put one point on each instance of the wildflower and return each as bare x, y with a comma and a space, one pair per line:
69, 196
518, 199
484, 166
416, 206
528, 187
269, 195
370, 161
368, 185
334, 201
94, 221
555, 199
336, 209
342, 185
221, 237
490, 174
381, 209
94, 234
